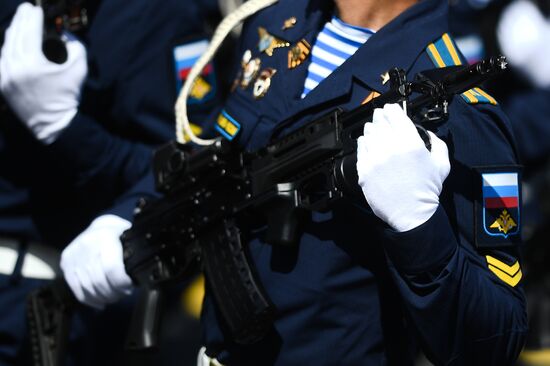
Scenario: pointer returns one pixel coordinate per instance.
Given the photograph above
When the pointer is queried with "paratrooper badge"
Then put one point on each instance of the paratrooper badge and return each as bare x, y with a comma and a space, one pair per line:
185, 56
269, 43
501, 213
298, 53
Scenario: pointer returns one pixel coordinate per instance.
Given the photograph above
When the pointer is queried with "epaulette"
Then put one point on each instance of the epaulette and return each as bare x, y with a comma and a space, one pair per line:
443, 53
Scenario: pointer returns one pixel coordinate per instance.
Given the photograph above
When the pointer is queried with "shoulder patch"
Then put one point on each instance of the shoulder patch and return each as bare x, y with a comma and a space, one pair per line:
477, 95
185, 55
509, 274
227, 125
443, 53
498, 207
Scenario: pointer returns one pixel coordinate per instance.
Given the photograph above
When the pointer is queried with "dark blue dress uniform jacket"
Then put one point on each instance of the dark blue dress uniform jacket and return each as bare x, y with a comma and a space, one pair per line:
356, 292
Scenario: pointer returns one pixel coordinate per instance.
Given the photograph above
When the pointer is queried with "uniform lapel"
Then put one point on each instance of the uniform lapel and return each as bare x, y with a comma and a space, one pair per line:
288, 83
398, 44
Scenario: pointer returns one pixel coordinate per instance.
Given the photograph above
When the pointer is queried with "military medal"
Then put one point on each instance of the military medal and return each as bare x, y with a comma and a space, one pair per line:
262, 84
298, 53
269, 43
289, 23
250, 68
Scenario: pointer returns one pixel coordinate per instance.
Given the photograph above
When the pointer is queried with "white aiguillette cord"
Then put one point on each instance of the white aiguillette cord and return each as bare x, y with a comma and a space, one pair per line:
183, 128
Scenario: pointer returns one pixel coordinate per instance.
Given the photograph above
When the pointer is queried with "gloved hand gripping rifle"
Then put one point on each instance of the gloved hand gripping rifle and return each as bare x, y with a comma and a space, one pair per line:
212, 196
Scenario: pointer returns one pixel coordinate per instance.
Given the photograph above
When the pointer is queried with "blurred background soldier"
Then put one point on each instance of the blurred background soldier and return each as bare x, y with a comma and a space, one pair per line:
75, 143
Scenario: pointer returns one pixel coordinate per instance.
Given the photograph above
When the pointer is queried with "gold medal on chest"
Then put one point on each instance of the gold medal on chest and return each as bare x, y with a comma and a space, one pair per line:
298, 53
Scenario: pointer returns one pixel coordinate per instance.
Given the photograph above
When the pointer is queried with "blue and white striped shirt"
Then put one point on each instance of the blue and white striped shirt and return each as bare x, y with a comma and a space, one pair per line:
334, 45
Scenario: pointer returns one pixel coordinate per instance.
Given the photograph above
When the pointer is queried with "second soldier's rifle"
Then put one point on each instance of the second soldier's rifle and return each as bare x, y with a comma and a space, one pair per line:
212, 196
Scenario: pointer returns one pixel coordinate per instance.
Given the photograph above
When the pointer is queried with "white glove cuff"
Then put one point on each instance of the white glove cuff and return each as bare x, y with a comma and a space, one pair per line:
50, 127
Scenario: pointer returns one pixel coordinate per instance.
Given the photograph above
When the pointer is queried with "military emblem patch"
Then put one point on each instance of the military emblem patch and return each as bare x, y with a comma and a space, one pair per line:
227, 125
501, 214
185, 56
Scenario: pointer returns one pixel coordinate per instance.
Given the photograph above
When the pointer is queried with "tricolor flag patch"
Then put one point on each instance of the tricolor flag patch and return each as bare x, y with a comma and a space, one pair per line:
501, 208
185, 56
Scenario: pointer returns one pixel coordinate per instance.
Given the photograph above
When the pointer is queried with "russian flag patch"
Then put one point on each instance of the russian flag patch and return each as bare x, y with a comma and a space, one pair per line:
501, 204
185, 56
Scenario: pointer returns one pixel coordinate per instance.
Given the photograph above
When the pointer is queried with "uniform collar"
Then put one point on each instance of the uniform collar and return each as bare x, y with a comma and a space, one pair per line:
398, 44
309, 15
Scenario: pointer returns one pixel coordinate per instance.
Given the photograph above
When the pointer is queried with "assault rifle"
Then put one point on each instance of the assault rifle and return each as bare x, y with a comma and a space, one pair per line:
59, 15
212, 197
49, 314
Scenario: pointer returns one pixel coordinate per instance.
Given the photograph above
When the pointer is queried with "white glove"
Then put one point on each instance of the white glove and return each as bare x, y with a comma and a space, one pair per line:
93, 265
44, 95
523, 34
400, 178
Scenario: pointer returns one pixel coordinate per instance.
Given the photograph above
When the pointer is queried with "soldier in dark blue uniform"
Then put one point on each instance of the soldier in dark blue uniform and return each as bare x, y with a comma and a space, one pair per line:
51, 190
437, 263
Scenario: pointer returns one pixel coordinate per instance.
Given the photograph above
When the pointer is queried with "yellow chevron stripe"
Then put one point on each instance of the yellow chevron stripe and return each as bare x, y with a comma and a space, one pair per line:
509, 270
489, 98
451, 49
510, 280
436, 55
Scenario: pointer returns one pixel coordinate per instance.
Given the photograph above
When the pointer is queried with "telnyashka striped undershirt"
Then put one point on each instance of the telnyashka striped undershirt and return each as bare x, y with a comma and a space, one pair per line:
334, 45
